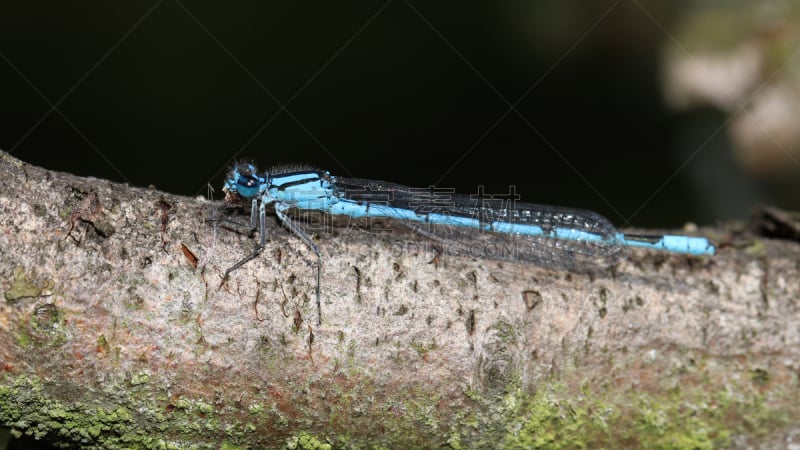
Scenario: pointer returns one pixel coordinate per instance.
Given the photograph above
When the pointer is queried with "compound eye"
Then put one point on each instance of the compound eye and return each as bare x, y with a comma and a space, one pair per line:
247, 186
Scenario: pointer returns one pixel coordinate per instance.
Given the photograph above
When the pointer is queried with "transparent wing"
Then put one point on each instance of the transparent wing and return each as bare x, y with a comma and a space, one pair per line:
548, 236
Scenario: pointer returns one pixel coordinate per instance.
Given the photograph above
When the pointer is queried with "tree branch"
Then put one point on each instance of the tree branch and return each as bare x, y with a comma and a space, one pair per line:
117, 330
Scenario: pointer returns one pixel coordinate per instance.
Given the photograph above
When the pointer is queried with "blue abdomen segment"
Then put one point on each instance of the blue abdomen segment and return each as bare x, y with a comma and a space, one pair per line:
677, 244
540, 234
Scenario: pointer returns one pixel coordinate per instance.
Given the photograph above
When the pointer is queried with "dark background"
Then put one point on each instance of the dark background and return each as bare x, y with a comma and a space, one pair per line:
169, 93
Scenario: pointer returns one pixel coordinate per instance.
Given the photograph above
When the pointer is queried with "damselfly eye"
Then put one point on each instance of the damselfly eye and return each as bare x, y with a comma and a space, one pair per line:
245, 185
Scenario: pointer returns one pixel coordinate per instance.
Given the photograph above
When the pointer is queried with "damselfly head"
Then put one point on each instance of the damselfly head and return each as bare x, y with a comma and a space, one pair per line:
243, 181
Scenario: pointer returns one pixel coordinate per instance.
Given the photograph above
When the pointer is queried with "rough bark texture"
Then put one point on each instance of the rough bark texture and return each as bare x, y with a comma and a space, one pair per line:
120, 333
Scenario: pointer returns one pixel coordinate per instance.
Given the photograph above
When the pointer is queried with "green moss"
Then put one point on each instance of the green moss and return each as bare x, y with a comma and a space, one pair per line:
229, 446
550, 424
505, 332
454, 441
256, 409
555, 418
140, 378
137, 422
23, 339
44, 328
423, 349
671, 423
102, 344
134, 302
203, 407
65, 213
27, 410
578, 414
305, 441
23, 286
281, 420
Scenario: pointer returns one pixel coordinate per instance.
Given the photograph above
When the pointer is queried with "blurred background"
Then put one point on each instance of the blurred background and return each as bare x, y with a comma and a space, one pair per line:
652, 113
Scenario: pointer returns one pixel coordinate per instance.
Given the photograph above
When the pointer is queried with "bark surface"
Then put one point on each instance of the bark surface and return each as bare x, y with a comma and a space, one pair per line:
117, 331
